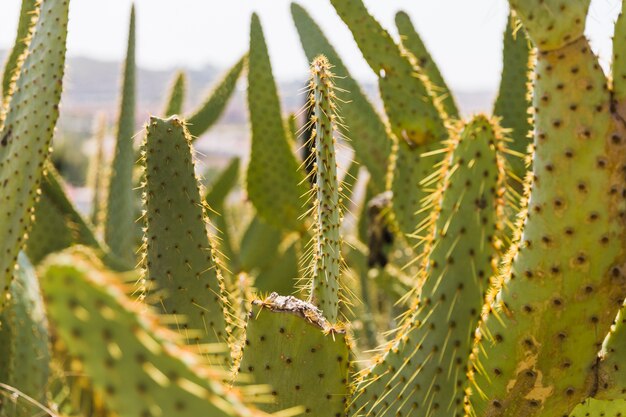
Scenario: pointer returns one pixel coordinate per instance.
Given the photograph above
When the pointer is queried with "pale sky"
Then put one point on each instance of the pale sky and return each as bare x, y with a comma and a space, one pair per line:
463, 36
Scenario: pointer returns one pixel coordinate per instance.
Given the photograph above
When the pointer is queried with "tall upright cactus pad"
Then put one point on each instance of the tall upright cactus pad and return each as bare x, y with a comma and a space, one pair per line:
96, 177
513, 100
119, 218
363, 126
27, 131
24, 332
552, 24
176, 95
328, 210
179, 256
274, 183
210, 111
563, 283
133, 362
293, 349
409, 102
618, 69
28, 13
423, 370
413, 43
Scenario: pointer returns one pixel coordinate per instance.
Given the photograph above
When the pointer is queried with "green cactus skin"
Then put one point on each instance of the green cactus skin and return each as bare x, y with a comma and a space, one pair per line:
179, 259
552, 23
412, 42
58, 225
259, 245
280, 275
415, 115
595, 408
176, 96
274, 183
96, 179
133, 362
293, 349
28, 13
423, 370
513, 99
618, 68
24, 331
210, 111
223, 185
28, 127
562, 284
364, 127
328, 210
120, 214
409, 102
611, 383
216, 199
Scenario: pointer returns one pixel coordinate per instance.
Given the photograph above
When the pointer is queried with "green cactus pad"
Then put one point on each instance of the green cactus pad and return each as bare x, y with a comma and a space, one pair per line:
610, 370
422, 371
562, 284
180, 260
552, 24
176, 96
133, 362
596, 408
328, 207
363, 125
293, 349
259, 245
412, 42
28, 13
223, 185
414, 113
96, 177
120, 210
274, 183
618, 68
28, 127
513, 102
24, 331
210, 111
281, 274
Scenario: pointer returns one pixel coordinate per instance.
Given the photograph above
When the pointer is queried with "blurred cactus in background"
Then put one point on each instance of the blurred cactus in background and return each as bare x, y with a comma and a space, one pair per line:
455, 267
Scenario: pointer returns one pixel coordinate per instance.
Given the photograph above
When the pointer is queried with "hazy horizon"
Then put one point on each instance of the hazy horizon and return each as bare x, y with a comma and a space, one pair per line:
464, 39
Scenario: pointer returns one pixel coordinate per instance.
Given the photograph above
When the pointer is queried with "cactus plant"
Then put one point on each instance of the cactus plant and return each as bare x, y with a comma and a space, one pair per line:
176, 96
565, 267
27, 128
423, 368
119, 218
181, 273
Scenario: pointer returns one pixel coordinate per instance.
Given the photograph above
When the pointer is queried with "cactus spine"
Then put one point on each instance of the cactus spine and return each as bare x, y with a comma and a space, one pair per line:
119, 219
562, 284
28, 125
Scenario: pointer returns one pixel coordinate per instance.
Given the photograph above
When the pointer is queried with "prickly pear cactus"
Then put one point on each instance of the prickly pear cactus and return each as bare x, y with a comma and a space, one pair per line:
24, 367
274, 183
133, 361
423, 369
28, 125
176, 96
119, 219
181, 273
563, 282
